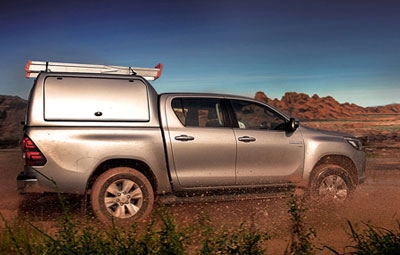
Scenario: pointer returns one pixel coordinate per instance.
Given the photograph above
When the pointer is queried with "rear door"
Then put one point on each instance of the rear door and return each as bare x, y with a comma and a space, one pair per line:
201, 148
266, 153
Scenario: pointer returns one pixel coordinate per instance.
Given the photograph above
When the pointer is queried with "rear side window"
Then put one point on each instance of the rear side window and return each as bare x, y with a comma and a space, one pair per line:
93, 99
199, 112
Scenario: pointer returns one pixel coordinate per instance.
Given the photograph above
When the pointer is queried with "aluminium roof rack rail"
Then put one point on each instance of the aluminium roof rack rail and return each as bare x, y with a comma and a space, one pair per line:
33, 68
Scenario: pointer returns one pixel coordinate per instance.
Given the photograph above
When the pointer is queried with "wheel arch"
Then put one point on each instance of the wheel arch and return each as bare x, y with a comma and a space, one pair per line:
338, 160
132, 163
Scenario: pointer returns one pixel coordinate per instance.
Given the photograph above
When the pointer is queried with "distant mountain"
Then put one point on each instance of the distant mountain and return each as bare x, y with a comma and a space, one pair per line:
304, 107
299, 105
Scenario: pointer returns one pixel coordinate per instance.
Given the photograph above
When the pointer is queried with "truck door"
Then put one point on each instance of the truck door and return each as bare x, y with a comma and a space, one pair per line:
266, 153
201, 149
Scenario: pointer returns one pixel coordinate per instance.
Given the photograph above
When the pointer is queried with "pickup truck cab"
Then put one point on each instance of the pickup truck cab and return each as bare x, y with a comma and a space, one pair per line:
113, 137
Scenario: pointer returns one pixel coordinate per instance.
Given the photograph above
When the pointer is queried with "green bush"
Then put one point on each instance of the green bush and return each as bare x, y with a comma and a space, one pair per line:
234, 241
375, 241
301, 237
160, 235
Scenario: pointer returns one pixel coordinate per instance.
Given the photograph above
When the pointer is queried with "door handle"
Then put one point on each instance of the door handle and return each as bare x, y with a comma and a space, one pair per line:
246, 139
184, 138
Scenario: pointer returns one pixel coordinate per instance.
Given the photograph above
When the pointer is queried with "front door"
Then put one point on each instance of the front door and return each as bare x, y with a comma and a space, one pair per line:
266, 153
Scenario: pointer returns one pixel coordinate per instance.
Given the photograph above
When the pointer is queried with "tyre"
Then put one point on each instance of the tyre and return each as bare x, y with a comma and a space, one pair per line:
122, 195
331, 183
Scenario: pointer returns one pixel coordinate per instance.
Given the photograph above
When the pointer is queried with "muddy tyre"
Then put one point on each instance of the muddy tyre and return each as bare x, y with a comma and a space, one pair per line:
331, 183
122, 195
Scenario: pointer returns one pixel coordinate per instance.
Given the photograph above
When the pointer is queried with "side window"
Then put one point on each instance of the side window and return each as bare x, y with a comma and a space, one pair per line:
198, 112
251, 115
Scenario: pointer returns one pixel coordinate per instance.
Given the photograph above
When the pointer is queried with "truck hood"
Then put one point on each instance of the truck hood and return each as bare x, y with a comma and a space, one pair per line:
326, 132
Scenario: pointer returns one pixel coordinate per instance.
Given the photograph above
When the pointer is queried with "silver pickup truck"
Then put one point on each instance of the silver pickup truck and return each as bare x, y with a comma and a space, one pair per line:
113, 137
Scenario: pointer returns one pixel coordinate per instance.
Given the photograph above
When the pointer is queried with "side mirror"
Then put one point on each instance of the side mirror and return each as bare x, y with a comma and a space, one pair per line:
293, 124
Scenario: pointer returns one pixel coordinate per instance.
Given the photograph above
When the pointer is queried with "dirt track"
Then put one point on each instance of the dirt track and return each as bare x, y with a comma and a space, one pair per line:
376, 202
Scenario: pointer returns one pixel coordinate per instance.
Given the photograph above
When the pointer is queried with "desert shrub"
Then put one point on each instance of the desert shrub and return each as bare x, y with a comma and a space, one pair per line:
19, 237
374, 241
235, 241
160, 235
151, 238
301, 236
168, 238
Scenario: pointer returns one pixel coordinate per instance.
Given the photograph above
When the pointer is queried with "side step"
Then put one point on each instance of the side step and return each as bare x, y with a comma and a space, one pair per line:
219, 197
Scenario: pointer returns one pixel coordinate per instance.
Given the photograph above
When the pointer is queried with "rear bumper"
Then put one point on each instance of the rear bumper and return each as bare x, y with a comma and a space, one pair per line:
29, 184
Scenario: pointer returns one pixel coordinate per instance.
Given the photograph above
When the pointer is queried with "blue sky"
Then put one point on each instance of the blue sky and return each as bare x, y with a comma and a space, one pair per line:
346, 49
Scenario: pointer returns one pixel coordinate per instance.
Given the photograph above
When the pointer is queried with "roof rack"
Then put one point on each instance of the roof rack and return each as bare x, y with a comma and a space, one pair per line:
33, 68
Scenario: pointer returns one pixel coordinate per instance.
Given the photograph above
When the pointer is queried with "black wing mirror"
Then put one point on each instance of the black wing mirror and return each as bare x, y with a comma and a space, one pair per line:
293, 124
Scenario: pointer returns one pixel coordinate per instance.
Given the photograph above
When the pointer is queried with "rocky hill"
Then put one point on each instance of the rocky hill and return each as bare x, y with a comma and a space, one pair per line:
12, 113
299, 105
304, 107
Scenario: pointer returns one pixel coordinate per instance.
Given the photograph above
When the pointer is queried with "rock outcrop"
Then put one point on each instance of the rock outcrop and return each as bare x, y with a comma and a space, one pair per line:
304, 107
12, 113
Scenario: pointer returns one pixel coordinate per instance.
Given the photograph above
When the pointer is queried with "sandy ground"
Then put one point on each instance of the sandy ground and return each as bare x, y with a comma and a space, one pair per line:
376, 201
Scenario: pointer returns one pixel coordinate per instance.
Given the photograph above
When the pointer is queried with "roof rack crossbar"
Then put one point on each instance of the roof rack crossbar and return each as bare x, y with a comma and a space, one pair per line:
33, 68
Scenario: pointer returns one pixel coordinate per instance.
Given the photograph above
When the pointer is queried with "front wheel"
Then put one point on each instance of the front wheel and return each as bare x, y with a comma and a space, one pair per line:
123, 195
331, 183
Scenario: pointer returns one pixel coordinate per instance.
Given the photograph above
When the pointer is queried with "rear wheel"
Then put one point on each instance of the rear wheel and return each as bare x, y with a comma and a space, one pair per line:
331, 183
123, 195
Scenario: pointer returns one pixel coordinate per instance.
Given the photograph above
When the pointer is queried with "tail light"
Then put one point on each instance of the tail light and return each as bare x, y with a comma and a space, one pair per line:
32, 155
